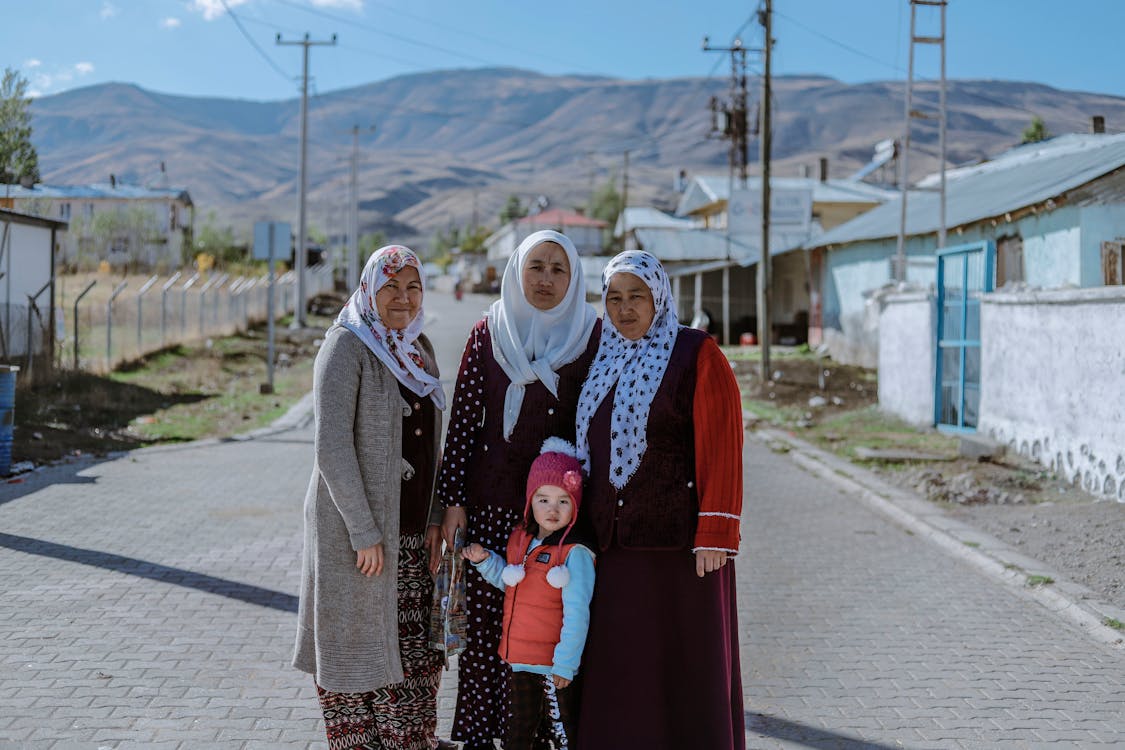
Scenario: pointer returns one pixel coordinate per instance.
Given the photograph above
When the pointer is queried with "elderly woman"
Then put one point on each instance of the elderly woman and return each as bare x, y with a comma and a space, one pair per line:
365, 587
518, 384
659, 429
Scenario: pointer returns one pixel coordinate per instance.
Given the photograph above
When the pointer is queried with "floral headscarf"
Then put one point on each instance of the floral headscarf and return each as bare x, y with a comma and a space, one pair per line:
394, 348
635, 367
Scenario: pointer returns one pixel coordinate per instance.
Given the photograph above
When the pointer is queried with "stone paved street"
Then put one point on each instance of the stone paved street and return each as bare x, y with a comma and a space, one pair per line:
149, 601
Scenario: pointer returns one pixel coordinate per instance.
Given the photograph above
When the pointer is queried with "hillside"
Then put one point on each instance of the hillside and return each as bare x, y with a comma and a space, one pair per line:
452, 143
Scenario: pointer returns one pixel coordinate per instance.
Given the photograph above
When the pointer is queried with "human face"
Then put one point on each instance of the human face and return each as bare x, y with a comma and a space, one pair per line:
546, 275
399, 300
552, 509
629, 304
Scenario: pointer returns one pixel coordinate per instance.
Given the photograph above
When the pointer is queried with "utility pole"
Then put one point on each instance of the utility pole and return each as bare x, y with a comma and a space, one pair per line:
735, 130
302, 254
625, 184
353, 212
765, 273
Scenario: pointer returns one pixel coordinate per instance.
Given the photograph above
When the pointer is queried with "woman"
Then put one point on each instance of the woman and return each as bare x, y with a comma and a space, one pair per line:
518, 383
365, 587
659, 429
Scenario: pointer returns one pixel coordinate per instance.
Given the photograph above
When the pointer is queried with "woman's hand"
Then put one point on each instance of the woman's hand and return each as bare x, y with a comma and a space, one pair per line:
453, 519
475, 553
560, 682
708, 561
369, 560
433, 547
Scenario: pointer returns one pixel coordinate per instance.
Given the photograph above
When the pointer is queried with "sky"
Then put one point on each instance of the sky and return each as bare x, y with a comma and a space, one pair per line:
227, 48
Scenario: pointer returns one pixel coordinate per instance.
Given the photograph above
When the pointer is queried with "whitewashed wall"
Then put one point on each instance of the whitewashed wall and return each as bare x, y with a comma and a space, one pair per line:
906, 356
1053, 381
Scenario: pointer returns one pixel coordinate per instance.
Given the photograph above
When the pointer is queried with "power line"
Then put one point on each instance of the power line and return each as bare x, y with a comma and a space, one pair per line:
254, 44
838, 43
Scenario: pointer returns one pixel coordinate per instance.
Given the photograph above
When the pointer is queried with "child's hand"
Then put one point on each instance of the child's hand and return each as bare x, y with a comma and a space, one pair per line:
475, 553
560, 682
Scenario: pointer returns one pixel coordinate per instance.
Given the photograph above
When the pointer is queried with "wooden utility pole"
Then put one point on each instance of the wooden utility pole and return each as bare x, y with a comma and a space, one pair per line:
764, 271
302, 254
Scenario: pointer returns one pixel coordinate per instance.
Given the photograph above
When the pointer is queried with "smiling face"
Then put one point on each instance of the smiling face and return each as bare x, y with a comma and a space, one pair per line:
399, 300
552, 509
629, 305
546, 275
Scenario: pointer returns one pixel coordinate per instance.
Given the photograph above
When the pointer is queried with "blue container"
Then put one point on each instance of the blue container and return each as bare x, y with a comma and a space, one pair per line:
7, 415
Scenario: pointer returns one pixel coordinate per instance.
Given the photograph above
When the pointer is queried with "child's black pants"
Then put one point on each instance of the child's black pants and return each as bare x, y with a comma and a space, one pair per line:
538, 705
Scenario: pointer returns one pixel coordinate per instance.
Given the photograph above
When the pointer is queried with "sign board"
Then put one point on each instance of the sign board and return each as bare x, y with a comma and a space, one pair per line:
790, 210
282, 241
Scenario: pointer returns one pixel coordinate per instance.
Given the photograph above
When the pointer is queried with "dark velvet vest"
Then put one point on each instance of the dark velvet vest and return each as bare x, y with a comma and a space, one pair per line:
658, 507
498, 474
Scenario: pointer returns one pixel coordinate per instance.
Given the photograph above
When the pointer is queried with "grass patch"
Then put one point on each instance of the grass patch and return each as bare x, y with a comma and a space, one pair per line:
1114, 623
775, 414
974, 545
870, 428
1038, 580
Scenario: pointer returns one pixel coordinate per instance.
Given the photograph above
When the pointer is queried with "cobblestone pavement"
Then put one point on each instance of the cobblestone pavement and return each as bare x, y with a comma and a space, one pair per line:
148, 601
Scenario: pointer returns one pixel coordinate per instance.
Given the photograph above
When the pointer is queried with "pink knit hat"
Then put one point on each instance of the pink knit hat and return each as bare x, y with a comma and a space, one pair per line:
557, 464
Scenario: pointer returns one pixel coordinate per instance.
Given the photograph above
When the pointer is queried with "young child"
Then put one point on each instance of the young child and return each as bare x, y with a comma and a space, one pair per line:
548, 583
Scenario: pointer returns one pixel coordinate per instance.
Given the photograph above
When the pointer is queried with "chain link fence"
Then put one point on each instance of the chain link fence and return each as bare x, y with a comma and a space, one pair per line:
97, 335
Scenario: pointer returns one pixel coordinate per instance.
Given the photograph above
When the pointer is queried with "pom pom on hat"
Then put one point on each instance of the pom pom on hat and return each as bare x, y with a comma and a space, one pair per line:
559, 445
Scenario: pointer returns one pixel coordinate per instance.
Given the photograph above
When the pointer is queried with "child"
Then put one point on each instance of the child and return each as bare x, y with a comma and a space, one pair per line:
548, 583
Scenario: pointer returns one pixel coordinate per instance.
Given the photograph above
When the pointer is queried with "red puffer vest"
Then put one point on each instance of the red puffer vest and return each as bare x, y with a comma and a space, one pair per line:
531, 638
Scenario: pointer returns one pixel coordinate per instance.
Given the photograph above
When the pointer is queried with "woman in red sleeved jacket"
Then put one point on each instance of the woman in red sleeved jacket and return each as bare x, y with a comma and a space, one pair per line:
659, 430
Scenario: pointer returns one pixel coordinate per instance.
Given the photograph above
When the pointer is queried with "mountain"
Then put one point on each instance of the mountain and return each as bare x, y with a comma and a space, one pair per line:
452, 145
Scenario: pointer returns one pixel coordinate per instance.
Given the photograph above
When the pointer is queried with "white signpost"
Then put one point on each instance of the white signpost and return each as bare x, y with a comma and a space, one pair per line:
271, 240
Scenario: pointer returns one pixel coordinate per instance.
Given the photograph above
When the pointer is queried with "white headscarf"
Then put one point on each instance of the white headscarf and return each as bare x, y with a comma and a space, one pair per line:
636, 367
531, 344
394, 348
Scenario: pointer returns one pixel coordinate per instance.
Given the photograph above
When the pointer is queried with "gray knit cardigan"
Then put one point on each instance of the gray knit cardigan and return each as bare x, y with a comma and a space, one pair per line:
347, 633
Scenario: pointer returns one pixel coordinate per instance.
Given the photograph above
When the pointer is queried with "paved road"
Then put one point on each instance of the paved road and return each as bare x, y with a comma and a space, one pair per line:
148, 602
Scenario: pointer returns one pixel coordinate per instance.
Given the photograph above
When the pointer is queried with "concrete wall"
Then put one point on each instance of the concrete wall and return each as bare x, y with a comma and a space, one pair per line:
1053, 381
907, 327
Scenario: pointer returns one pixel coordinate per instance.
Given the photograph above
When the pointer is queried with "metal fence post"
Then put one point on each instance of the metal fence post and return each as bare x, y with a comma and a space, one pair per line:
76, 301
140, 312
203, 298
164, 306
109, 324
183, 304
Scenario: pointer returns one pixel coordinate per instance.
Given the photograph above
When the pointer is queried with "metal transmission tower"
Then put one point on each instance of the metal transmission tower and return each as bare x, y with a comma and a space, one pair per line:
302, 254
916, 114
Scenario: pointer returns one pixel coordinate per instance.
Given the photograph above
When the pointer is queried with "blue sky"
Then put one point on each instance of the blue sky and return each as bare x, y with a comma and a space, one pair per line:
198, 48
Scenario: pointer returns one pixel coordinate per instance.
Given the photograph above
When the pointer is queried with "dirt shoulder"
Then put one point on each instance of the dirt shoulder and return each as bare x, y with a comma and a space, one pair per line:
1020, 503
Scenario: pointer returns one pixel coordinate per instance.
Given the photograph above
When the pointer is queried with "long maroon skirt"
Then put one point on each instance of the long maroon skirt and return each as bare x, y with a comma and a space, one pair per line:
661, 669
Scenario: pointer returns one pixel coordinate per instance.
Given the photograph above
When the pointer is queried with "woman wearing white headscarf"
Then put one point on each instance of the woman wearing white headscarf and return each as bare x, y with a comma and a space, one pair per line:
370, 519
659, 431
518, 384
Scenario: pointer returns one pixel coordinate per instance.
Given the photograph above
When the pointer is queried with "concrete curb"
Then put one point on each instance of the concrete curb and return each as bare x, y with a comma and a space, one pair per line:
1071, 601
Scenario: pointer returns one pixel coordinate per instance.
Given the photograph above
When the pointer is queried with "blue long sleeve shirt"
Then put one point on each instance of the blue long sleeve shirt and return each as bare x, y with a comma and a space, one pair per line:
576, 595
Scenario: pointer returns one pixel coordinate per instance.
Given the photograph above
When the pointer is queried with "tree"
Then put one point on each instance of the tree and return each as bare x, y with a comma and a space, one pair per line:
218, 242
1036, 131
606, 203
512, 210
18, 160
369, 243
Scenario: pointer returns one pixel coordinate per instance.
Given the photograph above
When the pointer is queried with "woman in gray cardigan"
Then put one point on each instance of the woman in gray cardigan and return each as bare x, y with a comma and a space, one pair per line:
365, 584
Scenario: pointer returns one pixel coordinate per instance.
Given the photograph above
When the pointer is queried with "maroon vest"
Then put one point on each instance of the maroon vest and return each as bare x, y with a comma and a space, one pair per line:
498, 468
658, 507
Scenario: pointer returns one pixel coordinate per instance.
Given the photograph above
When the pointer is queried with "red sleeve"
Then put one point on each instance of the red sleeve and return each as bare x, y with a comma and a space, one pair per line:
717, 416
465, 418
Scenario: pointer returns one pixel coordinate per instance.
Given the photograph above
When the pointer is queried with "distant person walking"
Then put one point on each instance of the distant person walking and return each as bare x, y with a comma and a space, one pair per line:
518, 383
365, 588
659, 429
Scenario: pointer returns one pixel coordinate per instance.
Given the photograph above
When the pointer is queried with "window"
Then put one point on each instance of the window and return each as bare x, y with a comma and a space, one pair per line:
1009, 260
1113, 274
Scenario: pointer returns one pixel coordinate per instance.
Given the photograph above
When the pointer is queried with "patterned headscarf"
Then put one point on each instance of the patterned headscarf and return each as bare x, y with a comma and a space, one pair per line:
531, 344
394, 348
635, 367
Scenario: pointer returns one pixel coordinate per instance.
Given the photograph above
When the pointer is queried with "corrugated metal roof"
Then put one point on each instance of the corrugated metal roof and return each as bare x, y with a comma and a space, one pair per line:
97, 191
707, 189
701, 245
644, 217
1018, 178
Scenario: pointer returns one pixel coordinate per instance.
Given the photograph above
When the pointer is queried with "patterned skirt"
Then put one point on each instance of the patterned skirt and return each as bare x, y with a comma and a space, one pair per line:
482, 676
402, 716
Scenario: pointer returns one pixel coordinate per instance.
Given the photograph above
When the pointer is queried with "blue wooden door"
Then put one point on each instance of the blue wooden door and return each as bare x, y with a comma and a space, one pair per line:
964, 273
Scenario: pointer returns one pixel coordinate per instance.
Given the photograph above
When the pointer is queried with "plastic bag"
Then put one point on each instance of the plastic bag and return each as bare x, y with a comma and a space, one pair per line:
449, 618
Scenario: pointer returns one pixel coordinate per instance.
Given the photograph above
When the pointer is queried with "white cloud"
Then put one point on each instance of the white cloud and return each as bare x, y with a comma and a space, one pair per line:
32, 63
109, 10
84, 68
212, 9
170, 23
349, 4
